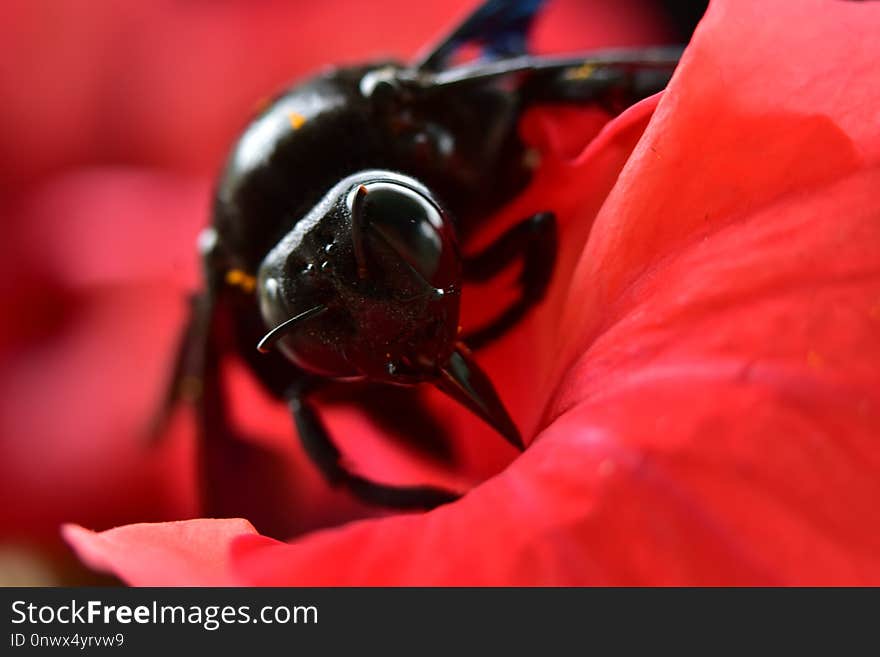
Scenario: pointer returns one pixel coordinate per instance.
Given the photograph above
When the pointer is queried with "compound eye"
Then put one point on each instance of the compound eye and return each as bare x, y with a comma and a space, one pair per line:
409, 223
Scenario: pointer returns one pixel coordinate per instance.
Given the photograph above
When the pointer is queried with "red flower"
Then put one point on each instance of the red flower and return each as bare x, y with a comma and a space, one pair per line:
115, 118
703, 383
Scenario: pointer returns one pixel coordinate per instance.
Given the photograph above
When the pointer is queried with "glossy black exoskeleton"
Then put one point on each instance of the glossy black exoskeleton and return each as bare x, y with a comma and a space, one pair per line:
335, 242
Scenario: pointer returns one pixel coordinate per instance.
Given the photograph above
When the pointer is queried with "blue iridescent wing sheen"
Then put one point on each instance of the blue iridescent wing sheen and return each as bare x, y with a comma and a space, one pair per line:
499, 27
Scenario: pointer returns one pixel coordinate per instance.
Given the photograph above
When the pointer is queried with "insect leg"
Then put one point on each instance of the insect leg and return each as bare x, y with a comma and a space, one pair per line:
232, 472
535, 241
185, 382
195, 379
326, 456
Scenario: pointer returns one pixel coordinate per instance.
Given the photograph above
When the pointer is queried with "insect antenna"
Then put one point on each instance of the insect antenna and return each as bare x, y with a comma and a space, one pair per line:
273, 336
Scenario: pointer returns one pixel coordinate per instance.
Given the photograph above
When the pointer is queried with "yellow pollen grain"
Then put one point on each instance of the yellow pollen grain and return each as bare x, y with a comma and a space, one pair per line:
582, 72
242, 280
814, 360
296, 120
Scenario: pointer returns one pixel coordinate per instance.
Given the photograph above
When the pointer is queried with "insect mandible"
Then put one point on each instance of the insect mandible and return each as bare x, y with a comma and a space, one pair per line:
337, 221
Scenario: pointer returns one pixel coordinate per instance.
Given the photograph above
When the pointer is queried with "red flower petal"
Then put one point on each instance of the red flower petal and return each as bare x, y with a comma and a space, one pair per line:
186, 553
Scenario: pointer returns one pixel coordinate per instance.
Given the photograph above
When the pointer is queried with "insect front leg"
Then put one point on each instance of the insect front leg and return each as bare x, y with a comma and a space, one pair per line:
195, 380
187, 376
534, 240
320, 448
234, 474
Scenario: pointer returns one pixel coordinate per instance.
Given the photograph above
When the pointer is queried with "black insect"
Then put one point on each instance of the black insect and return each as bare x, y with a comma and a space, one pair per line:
338, 219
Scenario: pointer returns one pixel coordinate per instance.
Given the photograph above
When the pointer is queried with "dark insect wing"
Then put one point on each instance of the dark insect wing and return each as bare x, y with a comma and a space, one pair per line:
572, 67
499, 27
616, 77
